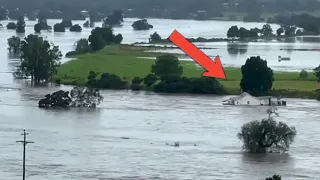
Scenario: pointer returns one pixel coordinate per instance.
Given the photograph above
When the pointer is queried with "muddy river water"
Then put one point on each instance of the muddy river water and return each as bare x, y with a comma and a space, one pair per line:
86, 144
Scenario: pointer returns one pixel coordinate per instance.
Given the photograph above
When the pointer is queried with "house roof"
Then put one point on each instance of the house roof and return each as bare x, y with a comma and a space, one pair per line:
242, 95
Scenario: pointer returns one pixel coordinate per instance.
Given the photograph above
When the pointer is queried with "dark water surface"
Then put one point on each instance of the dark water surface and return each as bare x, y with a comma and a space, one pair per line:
87, 144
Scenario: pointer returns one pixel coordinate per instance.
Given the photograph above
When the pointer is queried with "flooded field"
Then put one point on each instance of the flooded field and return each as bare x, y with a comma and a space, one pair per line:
88, 144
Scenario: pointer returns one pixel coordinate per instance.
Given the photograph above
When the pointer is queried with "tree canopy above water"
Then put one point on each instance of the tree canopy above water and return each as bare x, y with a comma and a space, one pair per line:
267, 135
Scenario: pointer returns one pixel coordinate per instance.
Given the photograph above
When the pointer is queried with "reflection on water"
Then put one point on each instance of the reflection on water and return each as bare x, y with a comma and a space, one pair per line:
309, 39
273, 158
235, 48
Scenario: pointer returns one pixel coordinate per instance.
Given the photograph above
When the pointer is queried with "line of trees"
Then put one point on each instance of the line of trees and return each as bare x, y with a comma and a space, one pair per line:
158, 8
266, 31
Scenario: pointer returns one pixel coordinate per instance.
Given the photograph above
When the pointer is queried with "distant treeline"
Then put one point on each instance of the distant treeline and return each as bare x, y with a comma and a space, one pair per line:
176, 9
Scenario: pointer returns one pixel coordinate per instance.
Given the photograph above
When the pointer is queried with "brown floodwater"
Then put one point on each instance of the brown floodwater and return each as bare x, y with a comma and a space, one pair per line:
126, 136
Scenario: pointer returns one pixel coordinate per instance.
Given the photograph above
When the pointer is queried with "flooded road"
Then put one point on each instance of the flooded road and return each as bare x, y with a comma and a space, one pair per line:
86, 144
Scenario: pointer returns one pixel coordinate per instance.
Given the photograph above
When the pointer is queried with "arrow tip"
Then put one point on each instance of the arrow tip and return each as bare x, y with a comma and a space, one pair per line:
216, 70
214, 74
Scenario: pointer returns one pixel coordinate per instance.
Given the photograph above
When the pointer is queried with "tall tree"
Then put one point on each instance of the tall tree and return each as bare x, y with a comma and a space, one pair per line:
39, 59
257, 77
21, 24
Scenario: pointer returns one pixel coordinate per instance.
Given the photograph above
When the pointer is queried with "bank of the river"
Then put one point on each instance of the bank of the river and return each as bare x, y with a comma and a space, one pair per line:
124, 61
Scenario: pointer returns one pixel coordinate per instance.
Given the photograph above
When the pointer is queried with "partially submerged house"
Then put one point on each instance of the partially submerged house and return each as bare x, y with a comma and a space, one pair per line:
246, 99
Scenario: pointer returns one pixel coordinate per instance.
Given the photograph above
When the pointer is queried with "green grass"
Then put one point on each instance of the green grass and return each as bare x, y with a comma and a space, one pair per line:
123, 61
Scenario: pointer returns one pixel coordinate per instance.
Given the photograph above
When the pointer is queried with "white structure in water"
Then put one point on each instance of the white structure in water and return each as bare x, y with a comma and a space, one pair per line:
246, 99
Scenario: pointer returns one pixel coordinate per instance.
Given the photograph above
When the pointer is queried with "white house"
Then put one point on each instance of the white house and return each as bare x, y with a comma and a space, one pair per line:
246, 99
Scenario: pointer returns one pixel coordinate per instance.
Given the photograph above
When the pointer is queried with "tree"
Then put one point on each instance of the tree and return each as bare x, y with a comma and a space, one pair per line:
266, 135
118, 39
274, 177
21, 24
66, 23
303, 74
289, 30
43, 23
233, 32
280, 31
14, 45
116, 18
85, 97
167, 64
76, 28
39, 59
58, 27
136, 83
82, 46
91, 24
141, 24
92, 79
111, 81
100, 37
57, 99
11, 25
317, 72
257, 77
266, 30
154, 37
86, 24
78, 97
150, 79
37, 28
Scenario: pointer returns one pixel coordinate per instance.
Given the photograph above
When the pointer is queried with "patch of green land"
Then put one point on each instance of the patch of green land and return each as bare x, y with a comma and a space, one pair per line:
123, 61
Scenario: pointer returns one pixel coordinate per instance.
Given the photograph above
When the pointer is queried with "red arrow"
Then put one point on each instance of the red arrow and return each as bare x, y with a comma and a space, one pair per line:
214, 69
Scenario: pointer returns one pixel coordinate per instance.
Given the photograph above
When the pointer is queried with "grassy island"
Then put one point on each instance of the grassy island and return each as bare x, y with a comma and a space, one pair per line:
128, 61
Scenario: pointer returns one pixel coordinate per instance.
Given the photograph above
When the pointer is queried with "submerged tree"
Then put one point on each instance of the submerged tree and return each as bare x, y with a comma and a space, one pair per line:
43, 23
154, 37
37, 28
85, 97
56, 99
116, 18
66, 23
59, 27
274, 177
21, 24
76, 28
78, 97
12, 26
141, 24
266, 135
39, 59
14, 45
